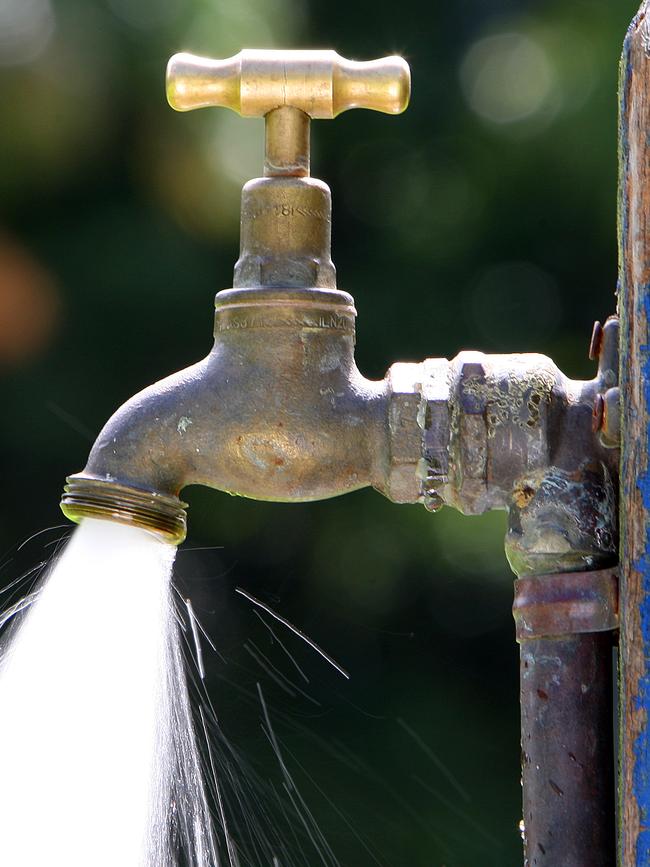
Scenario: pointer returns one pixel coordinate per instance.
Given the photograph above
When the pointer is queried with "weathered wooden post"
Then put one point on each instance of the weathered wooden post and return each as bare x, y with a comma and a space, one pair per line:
634, 306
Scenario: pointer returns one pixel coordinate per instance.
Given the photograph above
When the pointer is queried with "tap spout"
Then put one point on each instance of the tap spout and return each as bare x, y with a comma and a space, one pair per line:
277, 411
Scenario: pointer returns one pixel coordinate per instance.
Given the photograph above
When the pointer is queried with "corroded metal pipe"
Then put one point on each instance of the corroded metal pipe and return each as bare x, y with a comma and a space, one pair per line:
565, 625
567, 730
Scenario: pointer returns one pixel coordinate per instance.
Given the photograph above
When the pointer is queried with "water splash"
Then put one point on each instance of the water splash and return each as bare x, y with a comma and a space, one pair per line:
98, 757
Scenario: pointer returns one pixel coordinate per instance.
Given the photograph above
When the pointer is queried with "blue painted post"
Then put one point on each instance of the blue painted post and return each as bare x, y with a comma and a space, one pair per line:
634, 310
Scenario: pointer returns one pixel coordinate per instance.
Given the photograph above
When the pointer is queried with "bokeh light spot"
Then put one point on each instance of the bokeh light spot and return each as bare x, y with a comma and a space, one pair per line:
507, 77
26, 27
235, 147
28, 304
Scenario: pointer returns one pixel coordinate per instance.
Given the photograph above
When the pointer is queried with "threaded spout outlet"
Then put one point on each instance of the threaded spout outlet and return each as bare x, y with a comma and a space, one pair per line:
88, 497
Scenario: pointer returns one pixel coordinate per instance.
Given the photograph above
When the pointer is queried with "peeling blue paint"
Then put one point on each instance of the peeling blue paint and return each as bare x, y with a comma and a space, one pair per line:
641, 776
641, 313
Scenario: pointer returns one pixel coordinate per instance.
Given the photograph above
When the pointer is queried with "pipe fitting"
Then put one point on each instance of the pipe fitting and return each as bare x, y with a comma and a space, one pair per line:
404, 452
463, 431
519, 437
512, 432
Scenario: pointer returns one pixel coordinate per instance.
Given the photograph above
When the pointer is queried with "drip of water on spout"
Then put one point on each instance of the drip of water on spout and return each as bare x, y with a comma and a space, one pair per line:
98, 759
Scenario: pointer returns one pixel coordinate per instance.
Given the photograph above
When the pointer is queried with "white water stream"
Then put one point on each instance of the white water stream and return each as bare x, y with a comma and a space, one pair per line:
98, 760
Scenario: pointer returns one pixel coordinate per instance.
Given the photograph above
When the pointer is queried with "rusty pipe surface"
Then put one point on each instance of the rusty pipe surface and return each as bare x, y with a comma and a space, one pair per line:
567, 737
562, 520
565, 626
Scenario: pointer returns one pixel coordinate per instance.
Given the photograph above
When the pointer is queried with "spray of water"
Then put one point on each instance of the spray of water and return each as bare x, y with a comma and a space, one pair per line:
98, 759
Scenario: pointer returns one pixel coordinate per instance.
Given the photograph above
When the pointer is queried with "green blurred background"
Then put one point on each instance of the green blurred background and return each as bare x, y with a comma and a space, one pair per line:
483, 218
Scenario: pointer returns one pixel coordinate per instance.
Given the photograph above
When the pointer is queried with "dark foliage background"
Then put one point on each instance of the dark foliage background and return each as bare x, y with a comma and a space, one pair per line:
483, 218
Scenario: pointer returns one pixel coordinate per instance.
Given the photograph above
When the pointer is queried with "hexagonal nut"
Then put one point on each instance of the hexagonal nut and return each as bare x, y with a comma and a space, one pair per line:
257, 270
304, 270
403, 483
469, 438
472, 378
435, 421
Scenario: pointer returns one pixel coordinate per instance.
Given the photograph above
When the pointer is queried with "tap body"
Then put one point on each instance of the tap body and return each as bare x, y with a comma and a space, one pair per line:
279, 411
276, 411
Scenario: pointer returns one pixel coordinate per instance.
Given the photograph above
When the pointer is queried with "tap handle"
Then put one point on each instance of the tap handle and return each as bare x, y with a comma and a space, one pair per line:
319, 83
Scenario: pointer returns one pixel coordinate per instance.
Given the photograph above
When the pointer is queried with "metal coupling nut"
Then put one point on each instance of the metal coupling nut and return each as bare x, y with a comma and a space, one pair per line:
404, 433
566, 604
434, 422
470, 432
419, 424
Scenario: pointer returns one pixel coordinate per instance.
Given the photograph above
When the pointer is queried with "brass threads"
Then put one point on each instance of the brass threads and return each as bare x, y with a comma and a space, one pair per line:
286, 151
88, 497
241, 309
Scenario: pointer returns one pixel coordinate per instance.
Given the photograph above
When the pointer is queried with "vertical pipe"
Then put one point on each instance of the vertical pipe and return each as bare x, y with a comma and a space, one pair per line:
567, 739
564, 624
634, 307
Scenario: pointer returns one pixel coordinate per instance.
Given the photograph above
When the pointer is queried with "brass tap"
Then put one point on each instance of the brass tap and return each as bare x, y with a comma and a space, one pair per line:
278, 409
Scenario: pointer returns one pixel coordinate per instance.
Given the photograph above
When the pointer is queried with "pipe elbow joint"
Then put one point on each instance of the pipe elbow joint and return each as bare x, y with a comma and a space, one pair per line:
512, 432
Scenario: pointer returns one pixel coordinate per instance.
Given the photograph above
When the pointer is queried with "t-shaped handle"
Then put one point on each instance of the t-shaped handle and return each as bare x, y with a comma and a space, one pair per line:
320, 83
302, 84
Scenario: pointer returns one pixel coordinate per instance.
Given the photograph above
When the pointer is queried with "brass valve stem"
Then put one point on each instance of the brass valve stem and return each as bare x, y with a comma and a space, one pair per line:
286, 150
